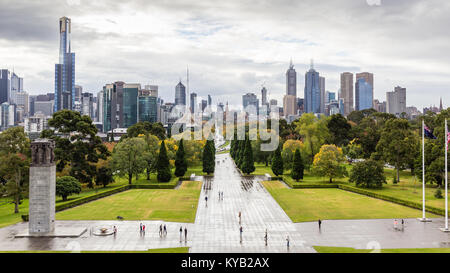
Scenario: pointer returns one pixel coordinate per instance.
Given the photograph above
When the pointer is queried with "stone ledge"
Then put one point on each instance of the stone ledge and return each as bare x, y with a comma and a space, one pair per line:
60, 232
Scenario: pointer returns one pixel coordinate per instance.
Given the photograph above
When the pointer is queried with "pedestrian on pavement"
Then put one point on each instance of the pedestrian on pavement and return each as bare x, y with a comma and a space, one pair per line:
206, 201
287, 241
140, 229
239, 217
395, 224
265, 237
143, 230
320, 223
185, 234
181, 233
222, 196
115, 230
240, 231
403, 224
160, 230
165, 230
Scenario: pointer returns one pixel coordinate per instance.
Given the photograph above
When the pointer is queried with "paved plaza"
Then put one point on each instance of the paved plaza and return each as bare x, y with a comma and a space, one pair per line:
216, 227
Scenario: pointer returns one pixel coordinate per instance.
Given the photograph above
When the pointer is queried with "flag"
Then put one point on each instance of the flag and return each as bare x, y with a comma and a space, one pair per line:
448, 139
428, 132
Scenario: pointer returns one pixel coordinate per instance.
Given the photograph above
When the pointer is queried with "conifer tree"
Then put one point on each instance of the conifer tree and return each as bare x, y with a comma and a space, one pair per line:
297, 166
247, 164
277, 162
180, 160
163, 165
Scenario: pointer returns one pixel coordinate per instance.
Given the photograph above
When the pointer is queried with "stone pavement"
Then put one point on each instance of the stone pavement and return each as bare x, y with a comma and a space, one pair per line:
216, 227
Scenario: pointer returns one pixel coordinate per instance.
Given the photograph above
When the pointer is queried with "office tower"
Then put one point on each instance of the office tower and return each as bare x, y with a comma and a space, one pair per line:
263, 96
7, 115
273, 102
203, 104
99, 115
329, 96
341, 106
312, 97
31, 100
396, 101
291, 81
35, 124
250, 99
5, 85
130, 104
300, 105
379, 106
220, 107
322, 94
44, 107
113, 106
148, 105
440, 105
368, 77
209, 100
346, 92
65, 69
289, 105
153, 89
180, 94
78, 92
87, 104
363, 95
194, 102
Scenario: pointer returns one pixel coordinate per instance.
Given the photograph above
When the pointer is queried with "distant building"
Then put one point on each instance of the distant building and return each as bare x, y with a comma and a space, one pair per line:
5, 85
368, 78
209, 100
87, 104
250, 99
322, 94
264, 96
396, 101
291, 81
7, 115
65, 69
379, 106
363, 95
34, 125
193, 102
78, 92
180, 94
203, 105
312, 91
346, 92
289, 106
329, 96
99, 115
45, 107
148, 105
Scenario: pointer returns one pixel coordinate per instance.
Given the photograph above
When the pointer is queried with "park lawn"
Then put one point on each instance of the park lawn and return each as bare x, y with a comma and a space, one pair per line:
262, 169
141, 204
330, 249
304, 205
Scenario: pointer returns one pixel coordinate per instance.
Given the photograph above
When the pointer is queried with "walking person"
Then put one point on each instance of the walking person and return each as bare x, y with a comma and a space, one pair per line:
395, 224
181, 233
403, 224
320, 223
206, 201
160, 230
287, 241
165, 230
185, 234
143, 230
240, 231
140, 229
115, 231
239, 217
265, 237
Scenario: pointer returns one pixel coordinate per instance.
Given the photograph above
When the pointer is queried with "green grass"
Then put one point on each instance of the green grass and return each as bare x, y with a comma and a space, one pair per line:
141, 204
330, 249
155, 250
304, 205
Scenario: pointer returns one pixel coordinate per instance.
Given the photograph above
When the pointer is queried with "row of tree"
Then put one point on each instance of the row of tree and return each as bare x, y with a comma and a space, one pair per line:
242, 153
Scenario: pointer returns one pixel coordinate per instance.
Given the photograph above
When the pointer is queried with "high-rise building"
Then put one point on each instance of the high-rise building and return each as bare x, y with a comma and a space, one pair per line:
273, 102
379, 106
87, 104
396, 101
194, 102
322, 94
368, 77
113, 106
78, 92
363, 95
148, 105
209, 100
291, 81
130, 103
7, 115
180, 94
44, 107
289, 105
263, 96
203, 105
99, 114
65, 69
329, 96
250, 99
5, 85
312, 97
346, 92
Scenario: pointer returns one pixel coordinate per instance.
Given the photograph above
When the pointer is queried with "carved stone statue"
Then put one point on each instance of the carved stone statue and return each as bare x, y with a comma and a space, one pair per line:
42, 152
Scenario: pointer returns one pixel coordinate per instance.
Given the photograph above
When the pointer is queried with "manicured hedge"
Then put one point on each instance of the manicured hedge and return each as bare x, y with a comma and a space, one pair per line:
410, 204
315, 186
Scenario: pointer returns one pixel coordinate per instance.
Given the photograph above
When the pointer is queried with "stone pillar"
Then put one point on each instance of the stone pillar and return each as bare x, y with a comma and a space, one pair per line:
42, 188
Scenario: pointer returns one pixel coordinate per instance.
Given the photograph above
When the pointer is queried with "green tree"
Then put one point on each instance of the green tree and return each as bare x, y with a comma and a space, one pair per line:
248, 165
151, 153
328, 162
339, 130
77, 144
353, 150
67, 185
180, 161
297, 166
163, 165
128, 157
146, 127
314, 132
397, 145
14, 164
368, 174
277, 162
104, 176
209, 161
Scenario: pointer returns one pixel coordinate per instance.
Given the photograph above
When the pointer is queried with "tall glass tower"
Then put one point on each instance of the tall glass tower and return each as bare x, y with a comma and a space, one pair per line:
65, 69
291, 81
312, 92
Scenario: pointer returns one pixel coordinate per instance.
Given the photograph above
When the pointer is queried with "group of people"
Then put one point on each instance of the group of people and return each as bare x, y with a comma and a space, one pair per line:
162, 230
220, 195
396, 224
181, 234
142, 230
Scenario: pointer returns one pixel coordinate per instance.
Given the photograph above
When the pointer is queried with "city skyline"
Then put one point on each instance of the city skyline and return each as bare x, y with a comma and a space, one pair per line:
232, 53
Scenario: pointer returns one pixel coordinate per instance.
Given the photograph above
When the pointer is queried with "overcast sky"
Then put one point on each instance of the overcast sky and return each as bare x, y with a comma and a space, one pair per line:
233, 47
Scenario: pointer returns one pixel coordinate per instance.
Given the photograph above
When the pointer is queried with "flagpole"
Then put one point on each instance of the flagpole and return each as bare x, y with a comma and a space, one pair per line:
446, 179
423, 219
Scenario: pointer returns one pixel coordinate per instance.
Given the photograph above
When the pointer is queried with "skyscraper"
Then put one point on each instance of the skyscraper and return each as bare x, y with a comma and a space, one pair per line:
289, 105
291, 81
263, 96
209, 100
312, 91
148, 105
180, 94
363, 95
322, 94
87, 105
396, 101
250, 99
346, 92
65, 69
5, 85
368, 77
194, 102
